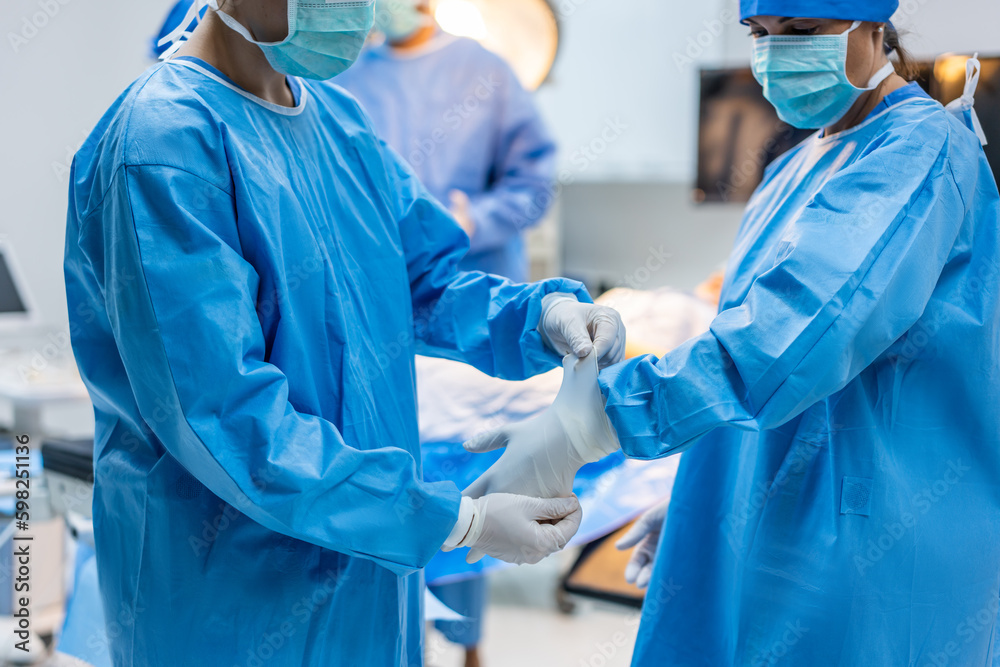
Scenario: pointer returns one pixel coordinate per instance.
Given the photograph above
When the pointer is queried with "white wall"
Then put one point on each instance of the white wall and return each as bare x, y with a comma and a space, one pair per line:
57, 80
621, 73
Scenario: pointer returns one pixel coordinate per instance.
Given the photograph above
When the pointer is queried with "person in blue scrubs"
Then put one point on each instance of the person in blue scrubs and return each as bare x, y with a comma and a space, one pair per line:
458, 115
250, 272
840, 500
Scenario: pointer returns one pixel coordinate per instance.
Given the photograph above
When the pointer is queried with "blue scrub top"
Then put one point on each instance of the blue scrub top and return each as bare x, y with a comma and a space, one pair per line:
840, 501
247, 287
458, 115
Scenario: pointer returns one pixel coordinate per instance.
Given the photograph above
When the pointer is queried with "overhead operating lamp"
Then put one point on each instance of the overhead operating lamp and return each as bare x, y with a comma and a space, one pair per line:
524, 32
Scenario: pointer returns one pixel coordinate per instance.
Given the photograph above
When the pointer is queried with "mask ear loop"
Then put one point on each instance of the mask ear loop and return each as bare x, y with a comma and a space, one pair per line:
885, 71
181, 34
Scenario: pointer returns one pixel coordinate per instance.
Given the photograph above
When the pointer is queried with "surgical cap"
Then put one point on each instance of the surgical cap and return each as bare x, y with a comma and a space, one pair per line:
848, 10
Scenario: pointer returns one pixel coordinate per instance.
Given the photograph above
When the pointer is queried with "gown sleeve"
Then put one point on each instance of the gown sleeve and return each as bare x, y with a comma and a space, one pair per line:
854, 271
480, 319
181, 302
524, 173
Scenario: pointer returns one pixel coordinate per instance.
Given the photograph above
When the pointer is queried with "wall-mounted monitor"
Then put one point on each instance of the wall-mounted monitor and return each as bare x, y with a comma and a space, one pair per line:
740, 133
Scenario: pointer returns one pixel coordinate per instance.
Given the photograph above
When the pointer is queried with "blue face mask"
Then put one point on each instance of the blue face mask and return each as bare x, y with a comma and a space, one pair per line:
324, 38
805, 77
399, 19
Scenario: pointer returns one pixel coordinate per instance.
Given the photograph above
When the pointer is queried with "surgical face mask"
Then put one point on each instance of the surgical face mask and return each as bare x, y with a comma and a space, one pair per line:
399, 19
324, 38
805, 77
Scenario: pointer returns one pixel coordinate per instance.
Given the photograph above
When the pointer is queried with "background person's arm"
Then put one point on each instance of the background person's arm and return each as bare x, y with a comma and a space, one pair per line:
524, 169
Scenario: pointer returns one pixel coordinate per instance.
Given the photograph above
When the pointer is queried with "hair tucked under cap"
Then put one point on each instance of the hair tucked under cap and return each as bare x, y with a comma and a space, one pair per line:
848, 10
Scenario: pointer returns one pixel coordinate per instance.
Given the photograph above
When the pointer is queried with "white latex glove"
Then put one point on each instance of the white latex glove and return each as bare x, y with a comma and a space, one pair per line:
462, 212
570, 327
645, 537
543, 454
518, 529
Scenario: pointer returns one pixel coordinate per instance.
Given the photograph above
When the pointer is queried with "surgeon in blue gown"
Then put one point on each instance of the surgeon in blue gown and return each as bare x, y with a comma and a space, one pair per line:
840, 501
250, 272
461, 119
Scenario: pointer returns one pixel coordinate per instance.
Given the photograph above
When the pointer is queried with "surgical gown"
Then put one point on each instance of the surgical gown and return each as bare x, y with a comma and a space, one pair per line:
248, 284
457, 113
842, 503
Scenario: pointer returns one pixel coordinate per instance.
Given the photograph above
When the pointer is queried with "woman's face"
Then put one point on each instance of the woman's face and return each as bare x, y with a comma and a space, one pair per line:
864, 47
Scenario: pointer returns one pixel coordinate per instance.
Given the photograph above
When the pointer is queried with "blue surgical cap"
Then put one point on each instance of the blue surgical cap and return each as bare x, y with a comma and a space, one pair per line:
848, 10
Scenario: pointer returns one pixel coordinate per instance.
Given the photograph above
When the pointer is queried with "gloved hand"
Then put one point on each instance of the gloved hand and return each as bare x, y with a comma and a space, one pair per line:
543, 454
518, 529
568, 326
645, 537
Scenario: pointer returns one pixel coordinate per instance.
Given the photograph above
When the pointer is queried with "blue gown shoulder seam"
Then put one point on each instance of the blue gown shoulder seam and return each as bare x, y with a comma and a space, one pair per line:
954, 180
902, 215
88, 213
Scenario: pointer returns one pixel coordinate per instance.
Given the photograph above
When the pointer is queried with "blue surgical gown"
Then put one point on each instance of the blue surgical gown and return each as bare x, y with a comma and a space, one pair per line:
248, 285
842, 503
457, 113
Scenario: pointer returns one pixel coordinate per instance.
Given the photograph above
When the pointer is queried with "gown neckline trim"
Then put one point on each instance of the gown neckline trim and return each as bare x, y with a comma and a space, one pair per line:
845, 133
270, 106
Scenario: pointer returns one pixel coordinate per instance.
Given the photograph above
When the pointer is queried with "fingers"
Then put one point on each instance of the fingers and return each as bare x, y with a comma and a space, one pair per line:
554, 509
474, 556
609, 336
635, 534
578, 340
553, 537
568, 526
557, 535
615, 355
645, 574
634, 567
487, 442
640, 567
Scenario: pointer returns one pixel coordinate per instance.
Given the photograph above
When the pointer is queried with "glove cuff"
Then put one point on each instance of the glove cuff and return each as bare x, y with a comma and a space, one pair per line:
466, 515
